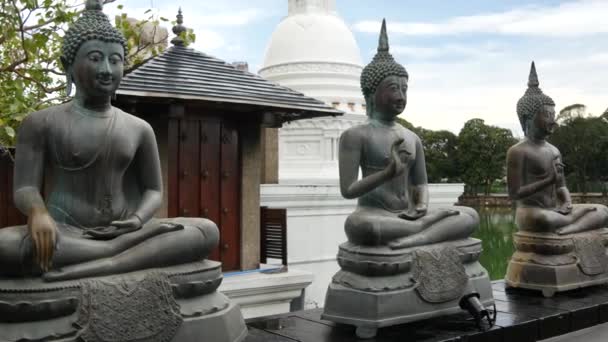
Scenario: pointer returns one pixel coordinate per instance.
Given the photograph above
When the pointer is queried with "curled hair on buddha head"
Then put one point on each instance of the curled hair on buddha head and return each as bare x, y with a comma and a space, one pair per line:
533, 100
92, 25
382, 66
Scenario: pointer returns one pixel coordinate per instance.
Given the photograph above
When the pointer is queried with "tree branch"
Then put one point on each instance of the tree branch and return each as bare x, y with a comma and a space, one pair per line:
44, 23
38, 104
39, 84
33, 27
51, 70
13, 65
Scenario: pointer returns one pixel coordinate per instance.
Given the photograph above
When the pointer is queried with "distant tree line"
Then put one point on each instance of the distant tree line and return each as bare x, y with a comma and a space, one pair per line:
583, 141
477, 155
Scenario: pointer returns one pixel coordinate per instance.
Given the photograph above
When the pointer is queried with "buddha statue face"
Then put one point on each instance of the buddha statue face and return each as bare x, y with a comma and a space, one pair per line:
390, 97
543, 123
97, 68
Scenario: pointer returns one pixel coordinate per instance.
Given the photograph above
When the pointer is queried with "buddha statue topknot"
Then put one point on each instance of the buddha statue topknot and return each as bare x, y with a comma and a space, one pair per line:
559, 245
93, 238
422, 259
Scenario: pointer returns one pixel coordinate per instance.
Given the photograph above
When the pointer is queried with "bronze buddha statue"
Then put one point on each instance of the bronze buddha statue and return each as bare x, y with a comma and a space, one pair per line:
93, 236
554, 235
104, 173
396, 246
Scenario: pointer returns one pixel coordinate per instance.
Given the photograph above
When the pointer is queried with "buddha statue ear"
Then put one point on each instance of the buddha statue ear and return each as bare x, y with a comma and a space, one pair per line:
528, 125
68, 76
370, 104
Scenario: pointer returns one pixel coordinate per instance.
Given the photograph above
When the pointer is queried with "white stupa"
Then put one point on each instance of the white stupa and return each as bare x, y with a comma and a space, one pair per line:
313, 51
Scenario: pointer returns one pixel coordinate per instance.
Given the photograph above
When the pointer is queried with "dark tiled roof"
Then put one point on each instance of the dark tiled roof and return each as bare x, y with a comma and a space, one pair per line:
184, 73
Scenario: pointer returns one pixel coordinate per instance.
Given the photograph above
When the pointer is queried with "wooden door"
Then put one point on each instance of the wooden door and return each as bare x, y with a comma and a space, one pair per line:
210, 175
229, 197
204, 179
9, 214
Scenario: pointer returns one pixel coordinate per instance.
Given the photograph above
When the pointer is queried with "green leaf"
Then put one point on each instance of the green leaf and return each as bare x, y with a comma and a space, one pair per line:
9, 131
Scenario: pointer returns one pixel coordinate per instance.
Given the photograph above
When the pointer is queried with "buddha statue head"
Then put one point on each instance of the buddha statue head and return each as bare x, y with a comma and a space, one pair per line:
536, 111
384, 82
93, 53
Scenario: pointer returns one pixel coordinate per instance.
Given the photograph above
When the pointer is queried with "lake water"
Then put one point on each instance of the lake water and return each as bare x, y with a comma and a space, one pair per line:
496, 228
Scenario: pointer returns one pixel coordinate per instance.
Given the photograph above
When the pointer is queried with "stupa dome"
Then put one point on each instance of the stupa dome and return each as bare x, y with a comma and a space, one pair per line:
313, 51
319, 36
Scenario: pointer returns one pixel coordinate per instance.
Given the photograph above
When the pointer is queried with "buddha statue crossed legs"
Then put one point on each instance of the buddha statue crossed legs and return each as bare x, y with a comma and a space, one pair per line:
104, 178
423, 259
554, 235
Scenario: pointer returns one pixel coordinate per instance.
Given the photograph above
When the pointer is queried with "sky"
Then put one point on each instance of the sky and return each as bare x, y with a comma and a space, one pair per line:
466, 59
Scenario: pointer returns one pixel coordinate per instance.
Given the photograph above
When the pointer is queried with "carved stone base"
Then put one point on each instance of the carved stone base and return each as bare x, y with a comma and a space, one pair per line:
177, 303
429, 282
554, 263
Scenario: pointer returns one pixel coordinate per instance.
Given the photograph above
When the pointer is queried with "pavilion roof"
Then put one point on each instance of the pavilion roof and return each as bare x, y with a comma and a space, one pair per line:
184, 73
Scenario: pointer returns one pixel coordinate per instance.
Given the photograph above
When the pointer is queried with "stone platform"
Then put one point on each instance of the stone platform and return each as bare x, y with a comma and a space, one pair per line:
522, 316
379, 287
178, 303
553, 263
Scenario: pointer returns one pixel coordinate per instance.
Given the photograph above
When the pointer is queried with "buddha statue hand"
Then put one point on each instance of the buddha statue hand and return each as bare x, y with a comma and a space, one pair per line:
558, 169
564, 209
414, 214
115, 229
43, 233
395, 166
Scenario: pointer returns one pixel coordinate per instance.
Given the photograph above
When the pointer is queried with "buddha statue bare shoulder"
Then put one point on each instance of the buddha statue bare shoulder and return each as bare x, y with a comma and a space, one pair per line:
104, 176
393, 192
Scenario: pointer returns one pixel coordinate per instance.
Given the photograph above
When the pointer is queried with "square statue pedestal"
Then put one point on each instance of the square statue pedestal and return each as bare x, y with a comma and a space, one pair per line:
551, 263
379, 287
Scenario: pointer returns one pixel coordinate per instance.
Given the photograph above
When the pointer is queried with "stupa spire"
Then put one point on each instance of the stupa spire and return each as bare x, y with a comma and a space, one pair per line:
311, 6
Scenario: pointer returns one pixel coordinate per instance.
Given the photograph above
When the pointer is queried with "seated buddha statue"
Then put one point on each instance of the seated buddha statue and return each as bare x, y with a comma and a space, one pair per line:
535, 176
92, 263
102, 170
398, 251
393, 192
559, 245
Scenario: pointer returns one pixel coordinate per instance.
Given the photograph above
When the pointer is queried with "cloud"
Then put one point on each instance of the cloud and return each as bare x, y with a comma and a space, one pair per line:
208, 40
445, 94
450, 50
208, 22
230, 19
569, 19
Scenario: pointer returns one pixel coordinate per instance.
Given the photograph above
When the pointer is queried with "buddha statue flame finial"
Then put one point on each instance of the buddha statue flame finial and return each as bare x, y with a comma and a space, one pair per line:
94, 5
533, 78
533, 100
383, 39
